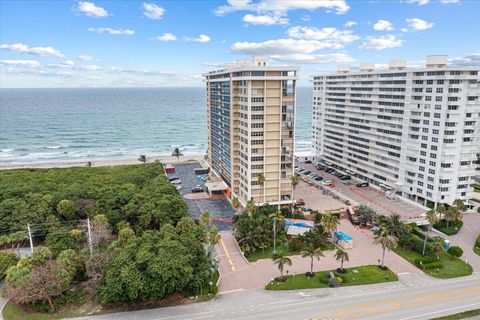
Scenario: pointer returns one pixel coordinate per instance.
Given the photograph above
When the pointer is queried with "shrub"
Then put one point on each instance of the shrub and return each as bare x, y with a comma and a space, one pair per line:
455, 251
7, 259
296, 244
434, 265
425, 260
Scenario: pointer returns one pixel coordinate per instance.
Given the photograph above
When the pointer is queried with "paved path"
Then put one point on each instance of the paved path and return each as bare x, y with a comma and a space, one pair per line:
3, 301
407, 299
237, 274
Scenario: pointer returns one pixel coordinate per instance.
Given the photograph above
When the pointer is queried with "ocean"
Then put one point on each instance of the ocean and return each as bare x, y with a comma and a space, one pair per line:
93, 124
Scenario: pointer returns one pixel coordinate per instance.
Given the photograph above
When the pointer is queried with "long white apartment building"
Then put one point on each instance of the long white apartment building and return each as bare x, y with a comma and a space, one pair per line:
251, 122
413, 132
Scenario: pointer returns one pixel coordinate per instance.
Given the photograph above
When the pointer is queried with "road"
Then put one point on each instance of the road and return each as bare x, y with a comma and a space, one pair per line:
413, 297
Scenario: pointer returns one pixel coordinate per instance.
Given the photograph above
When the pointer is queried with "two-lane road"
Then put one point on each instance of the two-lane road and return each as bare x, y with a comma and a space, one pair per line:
409, 299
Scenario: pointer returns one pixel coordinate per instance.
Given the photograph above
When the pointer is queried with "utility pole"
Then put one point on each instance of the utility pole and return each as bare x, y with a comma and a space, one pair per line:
90, 247
30, 237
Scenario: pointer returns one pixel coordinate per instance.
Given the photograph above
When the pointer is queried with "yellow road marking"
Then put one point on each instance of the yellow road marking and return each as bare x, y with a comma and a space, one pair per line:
381, 306
228, 255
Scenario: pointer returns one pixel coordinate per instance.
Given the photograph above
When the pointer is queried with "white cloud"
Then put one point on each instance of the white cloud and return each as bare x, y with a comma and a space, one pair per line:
419, 2
282, 7
404, 30
471, 60
112, 31
311, 33
449, 1
68, 63
38, 51
281, 47
418, 24
382, 25
266, 20
166, 37
383, 42
152, 11
91, 67
203, 38
313, 58
84, 57
21, 63
350, 24
91, 10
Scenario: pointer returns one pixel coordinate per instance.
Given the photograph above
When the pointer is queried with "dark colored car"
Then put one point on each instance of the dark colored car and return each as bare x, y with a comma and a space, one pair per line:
345, 177
318, 178
198, 188
330, 170
362, 184
307, 172
320, 167
173, 178
308, 161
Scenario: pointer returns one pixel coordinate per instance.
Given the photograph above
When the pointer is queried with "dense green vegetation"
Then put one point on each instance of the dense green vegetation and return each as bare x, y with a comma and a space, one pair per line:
352, 277
461, 315
476, 248
143, 248
448, 228
476, 187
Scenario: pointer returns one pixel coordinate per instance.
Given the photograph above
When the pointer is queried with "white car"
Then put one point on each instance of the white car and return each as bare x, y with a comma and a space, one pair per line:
327, 182
178, 181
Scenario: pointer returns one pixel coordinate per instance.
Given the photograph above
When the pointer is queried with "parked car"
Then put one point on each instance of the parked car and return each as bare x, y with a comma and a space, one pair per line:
300, 202
345, 177
300, 169
173, 178
312, 175
318, 178
306, 172
198, 188
308, 161
330, 170
178, 181
320, 167
327, 182
362, 184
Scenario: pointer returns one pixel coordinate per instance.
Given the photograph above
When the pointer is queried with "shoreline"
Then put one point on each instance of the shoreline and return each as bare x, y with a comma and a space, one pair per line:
100, 163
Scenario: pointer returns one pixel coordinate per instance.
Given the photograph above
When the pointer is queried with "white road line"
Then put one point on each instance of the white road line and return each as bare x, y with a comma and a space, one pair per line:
186, 315
441, 311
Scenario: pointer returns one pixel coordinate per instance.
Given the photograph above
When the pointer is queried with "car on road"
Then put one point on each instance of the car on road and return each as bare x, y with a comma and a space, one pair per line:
197, 188
362, 184
327, 182
178, 181
173, 178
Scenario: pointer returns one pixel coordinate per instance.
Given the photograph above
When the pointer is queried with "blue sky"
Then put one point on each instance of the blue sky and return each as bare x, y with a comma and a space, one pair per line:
170, 43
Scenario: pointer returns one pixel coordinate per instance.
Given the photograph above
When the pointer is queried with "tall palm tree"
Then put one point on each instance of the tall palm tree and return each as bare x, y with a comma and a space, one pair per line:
441, 210
387, 241
251, 207
205, 218
395, 226
341, 255
432, 219
236, 203
281, 260
261, 183
312, 252
438, 245
177, 153
142, 158
294, 182
329, 222
213, 236
459, 204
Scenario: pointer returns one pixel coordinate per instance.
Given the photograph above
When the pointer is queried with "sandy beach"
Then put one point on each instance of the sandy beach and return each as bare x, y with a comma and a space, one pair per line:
100, 163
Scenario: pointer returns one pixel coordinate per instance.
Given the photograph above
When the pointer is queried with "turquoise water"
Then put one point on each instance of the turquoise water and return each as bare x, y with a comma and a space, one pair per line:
59, 125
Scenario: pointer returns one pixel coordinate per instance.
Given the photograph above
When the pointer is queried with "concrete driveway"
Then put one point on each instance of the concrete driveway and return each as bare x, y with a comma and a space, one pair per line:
237, 274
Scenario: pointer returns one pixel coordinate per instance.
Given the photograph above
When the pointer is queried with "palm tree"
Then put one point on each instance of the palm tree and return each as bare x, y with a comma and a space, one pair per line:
341, 255
460, 204
213, 236
281, 260
177, 153
432, 219
251, 207
441, 210
387, 241
395, 226
89, 164
312, 252
329, 222
261, 183
142, 158
205, 218
294, 182
451, 215
438, 245
236, 204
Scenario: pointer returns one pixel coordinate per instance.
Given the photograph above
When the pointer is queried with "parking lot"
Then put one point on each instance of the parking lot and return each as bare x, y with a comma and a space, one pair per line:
220, 209
369, 196
315, 199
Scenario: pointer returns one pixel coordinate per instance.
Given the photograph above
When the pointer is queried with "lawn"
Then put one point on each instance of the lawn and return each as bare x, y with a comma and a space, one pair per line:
17, 312
461, 315
268, 252
452, 266
365, 275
